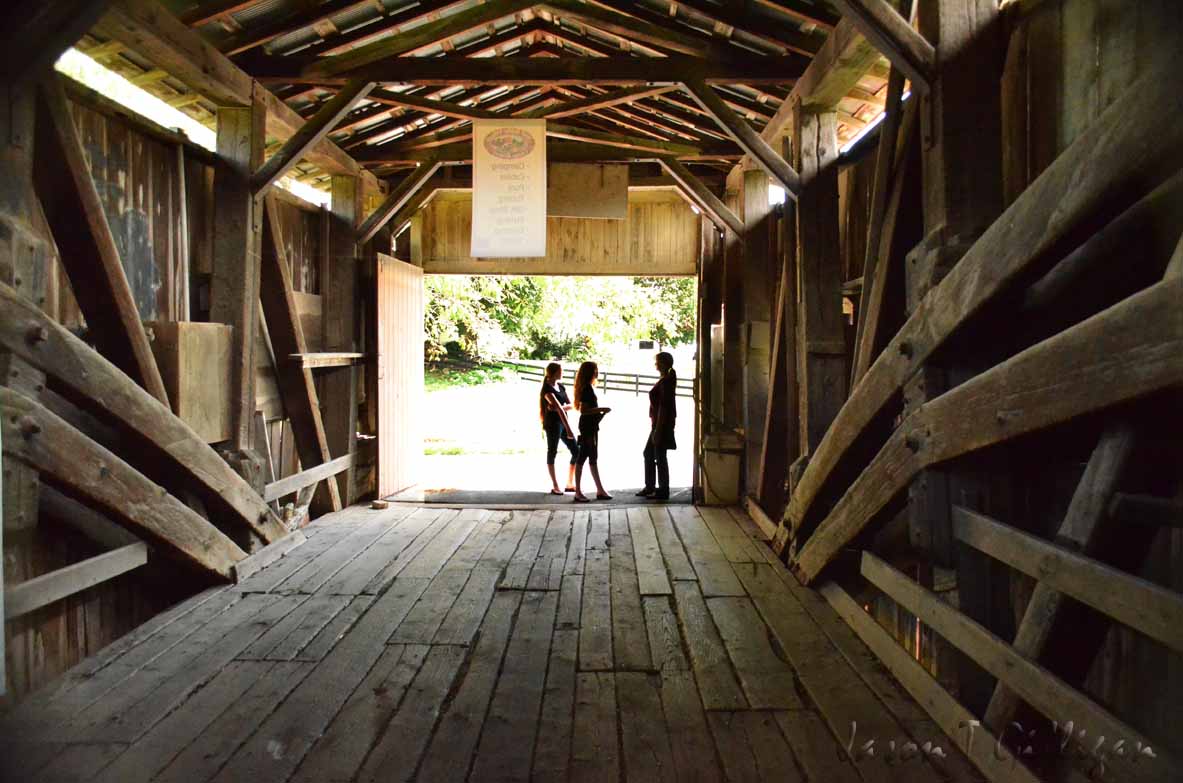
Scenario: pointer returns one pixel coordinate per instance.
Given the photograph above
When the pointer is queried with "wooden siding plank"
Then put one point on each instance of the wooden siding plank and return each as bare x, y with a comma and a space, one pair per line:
30, 595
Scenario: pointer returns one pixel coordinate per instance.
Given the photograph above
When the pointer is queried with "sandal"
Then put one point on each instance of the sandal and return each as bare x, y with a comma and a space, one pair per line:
555, 492
582, 499
569, 489
603, 496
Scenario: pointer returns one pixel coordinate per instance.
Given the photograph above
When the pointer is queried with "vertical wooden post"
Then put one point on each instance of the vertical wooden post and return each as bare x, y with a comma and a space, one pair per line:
234, 288
759, 286
781, 441
340, 322
961, 155
821, 349
733, 260
24, 265
710, 302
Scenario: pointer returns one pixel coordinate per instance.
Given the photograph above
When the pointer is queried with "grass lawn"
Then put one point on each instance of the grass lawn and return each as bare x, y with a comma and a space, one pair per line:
438, 378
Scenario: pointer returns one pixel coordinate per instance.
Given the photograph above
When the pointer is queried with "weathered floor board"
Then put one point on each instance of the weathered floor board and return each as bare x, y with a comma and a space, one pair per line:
435, 645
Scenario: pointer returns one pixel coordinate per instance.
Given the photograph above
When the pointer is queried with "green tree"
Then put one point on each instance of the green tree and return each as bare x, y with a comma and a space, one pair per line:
483, 317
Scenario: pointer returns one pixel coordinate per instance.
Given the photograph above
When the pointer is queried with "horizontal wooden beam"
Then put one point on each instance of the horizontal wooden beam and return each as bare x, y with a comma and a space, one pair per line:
1130, 350
1039, 687
891, 34
312, 361
25, 597
306, 478
397, 199
948, 713
309, 134
432, 106
94, 525
552, 71
747, 138
556, 130
1146, 510
715, 210
102, 388
556, 150
1131, 600
1108, 165
600, 101
67, 458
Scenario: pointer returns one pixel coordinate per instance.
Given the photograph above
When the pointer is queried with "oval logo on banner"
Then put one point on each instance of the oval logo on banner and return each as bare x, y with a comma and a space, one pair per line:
509, 143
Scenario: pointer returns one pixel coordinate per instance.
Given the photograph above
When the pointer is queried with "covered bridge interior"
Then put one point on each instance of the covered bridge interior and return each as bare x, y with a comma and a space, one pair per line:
938, 485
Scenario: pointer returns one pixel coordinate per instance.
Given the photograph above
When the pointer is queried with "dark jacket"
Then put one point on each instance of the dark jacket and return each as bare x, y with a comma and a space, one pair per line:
663, 412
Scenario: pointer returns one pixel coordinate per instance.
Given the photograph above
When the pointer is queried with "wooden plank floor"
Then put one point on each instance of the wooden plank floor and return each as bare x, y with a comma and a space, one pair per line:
643, 644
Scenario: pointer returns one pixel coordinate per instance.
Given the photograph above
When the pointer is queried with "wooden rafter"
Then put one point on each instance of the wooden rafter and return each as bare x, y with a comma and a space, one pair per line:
204, 13
284, 23
813, 15
416, 38
743, 134
380, 28
310, 134
397, 199
159, 37
836, 69
596, 102
636, 26
784, 36
891, 34
718, 212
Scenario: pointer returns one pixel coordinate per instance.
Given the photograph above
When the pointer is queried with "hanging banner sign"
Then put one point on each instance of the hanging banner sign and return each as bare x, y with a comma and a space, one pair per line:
508, 188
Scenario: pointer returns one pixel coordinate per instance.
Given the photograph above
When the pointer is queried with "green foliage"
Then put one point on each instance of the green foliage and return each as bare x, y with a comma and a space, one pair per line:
573, 318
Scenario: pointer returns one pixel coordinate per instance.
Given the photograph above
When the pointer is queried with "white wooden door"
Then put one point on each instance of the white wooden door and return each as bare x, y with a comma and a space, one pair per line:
400, 374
